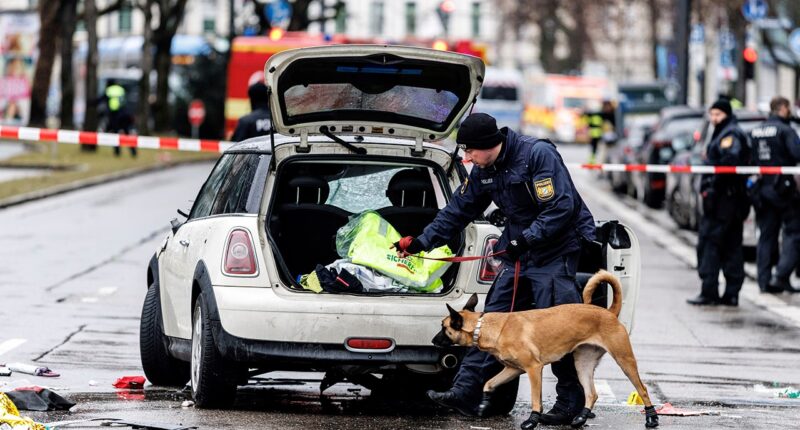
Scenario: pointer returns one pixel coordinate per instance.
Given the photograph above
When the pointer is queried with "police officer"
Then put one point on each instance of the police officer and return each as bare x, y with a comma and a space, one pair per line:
547, 223
725, 206
118, 117
259, 121
775, 143
598, 123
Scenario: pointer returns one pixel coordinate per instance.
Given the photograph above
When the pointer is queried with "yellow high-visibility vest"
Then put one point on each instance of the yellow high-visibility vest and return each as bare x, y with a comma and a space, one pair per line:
116, 96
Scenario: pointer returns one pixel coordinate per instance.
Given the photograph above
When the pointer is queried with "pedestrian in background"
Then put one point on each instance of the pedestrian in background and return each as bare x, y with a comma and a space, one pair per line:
118, 118
259, 121
601, 124
775, 198
725, 206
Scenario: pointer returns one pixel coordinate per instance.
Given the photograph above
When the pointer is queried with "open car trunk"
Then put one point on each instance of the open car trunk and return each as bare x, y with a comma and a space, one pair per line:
315, 197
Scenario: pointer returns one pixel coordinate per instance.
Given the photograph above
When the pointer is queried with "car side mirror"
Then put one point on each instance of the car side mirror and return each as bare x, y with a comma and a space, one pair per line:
175, 224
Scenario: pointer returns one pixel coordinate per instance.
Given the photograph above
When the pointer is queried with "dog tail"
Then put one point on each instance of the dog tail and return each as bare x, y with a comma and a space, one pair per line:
598, 278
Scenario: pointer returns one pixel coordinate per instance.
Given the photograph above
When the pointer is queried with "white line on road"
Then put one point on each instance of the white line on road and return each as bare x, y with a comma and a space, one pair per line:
10, 344
106, 291
605, 394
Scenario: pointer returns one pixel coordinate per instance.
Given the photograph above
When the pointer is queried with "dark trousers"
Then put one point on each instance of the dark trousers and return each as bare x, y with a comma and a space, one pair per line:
119, 122
768, 218
790, 249
719, 246
540, 287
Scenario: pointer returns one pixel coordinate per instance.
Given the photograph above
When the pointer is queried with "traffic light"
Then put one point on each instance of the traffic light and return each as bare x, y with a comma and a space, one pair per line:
444, 10
750, 57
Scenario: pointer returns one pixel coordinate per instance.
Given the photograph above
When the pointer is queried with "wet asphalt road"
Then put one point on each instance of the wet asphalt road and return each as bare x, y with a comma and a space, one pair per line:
72, 281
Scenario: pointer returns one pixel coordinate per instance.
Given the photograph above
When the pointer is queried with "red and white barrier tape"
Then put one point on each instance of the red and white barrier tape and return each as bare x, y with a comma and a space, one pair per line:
716, 170
111, 139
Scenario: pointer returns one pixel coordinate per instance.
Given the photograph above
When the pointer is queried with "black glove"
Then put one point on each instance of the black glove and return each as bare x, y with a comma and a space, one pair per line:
409, 245
517, 247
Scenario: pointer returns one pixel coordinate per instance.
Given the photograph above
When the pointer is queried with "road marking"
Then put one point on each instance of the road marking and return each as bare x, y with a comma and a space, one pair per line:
604, 393
106, 291
10, 344
89, 300
686, 253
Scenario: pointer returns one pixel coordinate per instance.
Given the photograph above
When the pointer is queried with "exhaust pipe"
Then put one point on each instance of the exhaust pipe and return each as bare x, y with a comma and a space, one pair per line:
449, 361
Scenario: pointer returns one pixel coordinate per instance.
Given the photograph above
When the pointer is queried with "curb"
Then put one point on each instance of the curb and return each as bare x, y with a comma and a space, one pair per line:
89, 182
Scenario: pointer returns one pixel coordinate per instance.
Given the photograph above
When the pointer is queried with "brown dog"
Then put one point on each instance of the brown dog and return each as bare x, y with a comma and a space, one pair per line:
527, 341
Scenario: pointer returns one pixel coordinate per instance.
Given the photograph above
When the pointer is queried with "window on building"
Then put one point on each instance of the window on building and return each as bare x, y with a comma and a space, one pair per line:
411, 18
376, 21
209, 25
476, 19
341, 18
125, 18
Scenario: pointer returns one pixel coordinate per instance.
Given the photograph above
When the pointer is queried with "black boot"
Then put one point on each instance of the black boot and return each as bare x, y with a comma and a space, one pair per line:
651, 417
729, 300
532, 421
486, 404
702, 300
581, 418
556, 416
450, 399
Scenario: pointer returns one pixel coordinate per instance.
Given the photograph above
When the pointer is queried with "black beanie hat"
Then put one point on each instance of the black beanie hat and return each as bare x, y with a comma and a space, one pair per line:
258, 94
723, 105
479, 131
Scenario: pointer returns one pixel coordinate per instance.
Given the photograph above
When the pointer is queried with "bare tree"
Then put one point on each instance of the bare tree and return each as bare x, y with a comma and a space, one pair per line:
49, 11
143, 115
89, 17
658, 10
69, 20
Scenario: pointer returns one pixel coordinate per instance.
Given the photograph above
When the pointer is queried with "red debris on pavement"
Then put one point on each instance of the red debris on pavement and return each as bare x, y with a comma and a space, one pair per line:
135, 382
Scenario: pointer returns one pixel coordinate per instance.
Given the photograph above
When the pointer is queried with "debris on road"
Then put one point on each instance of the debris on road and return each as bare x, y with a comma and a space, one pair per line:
31, 369
144, 425
134, 382
668, 409
4, 371
779, 392
38, 399
9, 415
187, 404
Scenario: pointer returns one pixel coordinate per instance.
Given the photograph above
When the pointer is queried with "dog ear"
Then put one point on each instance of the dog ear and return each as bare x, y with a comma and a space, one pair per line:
456, 322
471, 303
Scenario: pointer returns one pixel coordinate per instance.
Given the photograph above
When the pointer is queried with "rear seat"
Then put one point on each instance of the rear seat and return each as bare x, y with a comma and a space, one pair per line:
307, 226
413, 202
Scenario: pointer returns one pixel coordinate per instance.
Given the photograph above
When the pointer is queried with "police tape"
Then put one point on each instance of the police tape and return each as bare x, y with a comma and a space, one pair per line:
111, 139
694, 169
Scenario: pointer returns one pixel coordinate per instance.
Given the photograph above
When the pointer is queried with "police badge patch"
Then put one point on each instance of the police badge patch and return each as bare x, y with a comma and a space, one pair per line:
464, 185
544, 189
726, 142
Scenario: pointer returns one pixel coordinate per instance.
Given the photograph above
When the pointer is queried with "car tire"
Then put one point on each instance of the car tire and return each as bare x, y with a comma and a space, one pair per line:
159, 367
212, 385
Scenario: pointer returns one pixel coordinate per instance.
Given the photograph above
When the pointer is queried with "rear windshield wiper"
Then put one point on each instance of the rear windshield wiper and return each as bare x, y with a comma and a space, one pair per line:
358, 150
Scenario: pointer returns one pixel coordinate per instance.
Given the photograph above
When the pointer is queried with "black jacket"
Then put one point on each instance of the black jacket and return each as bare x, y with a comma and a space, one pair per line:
256, 123
775, 143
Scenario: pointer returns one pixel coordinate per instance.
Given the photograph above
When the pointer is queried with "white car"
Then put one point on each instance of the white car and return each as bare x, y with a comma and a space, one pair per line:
359, 127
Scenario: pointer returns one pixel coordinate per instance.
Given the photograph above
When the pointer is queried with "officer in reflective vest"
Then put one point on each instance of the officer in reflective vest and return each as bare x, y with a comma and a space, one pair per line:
598, 122
775, 197
118, 117
725, 207
548, 223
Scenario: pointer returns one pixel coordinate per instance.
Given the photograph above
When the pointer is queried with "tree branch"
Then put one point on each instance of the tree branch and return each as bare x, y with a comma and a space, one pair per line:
113, 7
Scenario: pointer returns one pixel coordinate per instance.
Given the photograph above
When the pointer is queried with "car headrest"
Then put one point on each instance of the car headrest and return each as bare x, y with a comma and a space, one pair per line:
307, 189
411, 188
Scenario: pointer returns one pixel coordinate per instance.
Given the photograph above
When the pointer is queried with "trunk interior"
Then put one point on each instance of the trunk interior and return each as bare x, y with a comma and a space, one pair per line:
313, 199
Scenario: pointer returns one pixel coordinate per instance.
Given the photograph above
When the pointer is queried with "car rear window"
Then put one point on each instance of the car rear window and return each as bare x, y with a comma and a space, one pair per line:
232, 186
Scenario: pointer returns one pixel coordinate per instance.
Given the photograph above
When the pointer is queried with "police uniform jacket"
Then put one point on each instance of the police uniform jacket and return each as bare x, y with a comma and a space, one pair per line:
531, 185
728, 147
775, 143
256, 123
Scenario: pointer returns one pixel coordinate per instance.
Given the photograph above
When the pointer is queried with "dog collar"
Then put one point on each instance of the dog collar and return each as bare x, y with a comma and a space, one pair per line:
477, 332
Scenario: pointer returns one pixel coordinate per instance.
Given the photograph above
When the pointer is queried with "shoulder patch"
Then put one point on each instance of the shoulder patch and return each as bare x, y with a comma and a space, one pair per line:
726, 142
464, 185
544, 189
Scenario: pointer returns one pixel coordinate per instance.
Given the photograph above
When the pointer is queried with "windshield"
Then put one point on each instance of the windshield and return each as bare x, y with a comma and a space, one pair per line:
381, 88
499, 93
363, 187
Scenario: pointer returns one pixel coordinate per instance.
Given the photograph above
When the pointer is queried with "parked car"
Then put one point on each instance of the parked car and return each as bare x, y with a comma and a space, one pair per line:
673, 121
357, 126
683, 190
625, 152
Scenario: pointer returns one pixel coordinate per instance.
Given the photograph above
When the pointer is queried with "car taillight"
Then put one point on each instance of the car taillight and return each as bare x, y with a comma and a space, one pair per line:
662, 143
240, 259
490, 267
369, 343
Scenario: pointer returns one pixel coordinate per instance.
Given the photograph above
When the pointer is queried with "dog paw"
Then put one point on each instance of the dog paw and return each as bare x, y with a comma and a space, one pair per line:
581, 418
651, 417
531, 422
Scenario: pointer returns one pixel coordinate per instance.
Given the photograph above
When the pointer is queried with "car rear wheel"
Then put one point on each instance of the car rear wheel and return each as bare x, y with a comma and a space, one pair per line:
159, 367
212, 386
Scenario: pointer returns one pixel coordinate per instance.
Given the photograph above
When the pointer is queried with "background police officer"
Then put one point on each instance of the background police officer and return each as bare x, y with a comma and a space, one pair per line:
599, 123
259, 121
547, 222
775, 143
118, 118
725, 206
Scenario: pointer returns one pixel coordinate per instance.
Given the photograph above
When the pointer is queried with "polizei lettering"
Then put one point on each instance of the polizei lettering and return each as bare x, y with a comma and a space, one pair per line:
770, 131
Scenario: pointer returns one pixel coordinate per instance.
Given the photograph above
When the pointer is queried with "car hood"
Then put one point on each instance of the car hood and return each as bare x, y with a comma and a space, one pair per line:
393, 91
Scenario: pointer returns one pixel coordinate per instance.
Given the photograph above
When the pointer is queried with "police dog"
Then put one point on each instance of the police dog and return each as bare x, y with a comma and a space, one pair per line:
527, 341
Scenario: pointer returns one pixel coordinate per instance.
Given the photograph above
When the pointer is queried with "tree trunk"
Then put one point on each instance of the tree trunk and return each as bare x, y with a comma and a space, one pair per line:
163, 62
655, 17
143, 115
50, 26
69, 18
90, 21
547, 36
